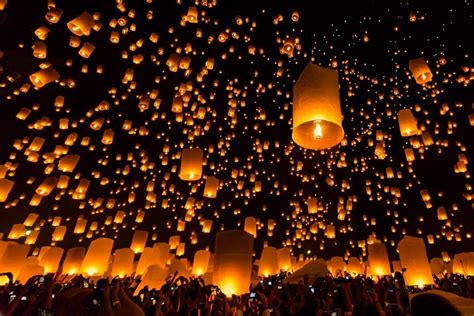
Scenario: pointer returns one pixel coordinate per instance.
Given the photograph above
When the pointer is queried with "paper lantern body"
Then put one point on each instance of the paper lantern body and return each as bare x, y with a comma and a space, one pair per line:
31, 219
463, 263
233, 261
150, 256
268, 264
317, 118
82, 24
437, 266
139, 241
211, 186
378, 259
41, 78
407, 123
28, 271
420, 70
413, 258
51, 259
123, 262
336, 266
13, 258
284, 259
191, 164
201, 262
250, 226
73, 260
96, 260
5, 188
353, 266
164, 252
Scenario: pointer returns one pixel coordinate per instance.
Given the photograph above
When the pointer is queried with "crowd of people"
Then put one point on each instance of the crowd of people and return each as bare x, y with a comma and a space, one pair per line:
324, 296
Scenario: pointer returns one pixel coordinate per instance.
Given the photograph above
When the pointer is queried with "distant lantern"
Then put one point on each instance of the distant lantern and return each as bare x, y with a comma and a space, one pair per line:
414, 260
82, 24
378, 259
200, 262
211, 186
17, 231
139, 241
233, 264
268, 264
250, 226
317, 118
191, 164
53, 15
30, 219
407, 123
192, 15
39, 50
44, 76
96, 260
420, 70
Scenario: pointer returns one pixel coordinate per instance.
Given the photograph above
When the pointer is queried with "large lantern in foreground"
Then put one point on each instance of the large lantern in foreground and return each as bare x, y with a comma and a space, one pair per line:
378, 259
420, 70
96, 260
191, 164
414, 259
201, 262
317, 118
268, 262
233, 261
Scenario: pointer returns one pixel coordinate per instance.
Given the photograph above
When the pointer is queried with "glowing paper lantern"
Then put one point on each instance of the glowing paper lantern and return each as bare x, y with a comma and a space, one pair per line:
13, 258
407, 123
28, 271
211, 186
284, 259
150, 256
122, 264
68, 163
317, 118
139, 241
250, 226
420, 70
51, 259
336, 266
437, 266
17, 231
268, 264
43, 77
154, 278
164, 252
97, 258
82, 24
5, 188
463, 263
73, 260
200, 262
233, 261
353, 266
59, 233
413, 258
378, 259
191, 164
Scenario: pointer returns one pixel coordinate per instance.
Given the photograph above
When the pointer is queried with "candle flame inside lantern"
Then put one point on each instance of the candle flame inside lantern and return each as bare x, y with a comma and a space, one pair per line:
318, 132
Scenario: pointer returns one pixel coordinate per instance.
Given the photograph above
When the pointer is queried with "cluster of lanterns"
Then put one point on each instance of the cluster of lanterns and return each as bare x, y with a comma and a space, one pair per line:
197, 128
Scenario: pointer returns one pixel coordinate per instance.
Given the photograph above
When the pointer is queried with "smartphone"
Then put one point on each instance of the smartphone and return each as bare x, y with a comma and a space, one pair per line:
41, 279
23, 298
253, 295
334, 314
312, 290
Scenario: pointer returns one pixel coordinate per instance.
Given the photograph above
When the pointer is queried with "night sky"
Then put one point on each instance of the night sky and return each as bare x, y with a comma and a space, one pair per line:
247, 98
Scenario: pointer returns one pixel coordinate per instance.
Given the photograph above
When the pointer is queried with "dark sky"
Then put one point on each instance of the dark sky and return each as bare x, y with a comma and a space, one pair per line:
328, 32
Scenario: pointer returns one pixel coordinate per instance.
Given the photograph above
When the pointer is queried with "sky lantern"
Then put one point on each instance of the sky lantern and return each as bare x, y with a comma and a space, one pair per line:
96, 260
414, 259
51, 259
407, 123
336, 266
139, 240
14, 256
378, 259
200, 262
284, 259
73, 260
17, 231
191, 164
44, 76
150, 256
233, 262
353, 266
250, 226
82, 24
317, 118
463, 263
420, 70
268, 264
211, 187
5, 188
122, 264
